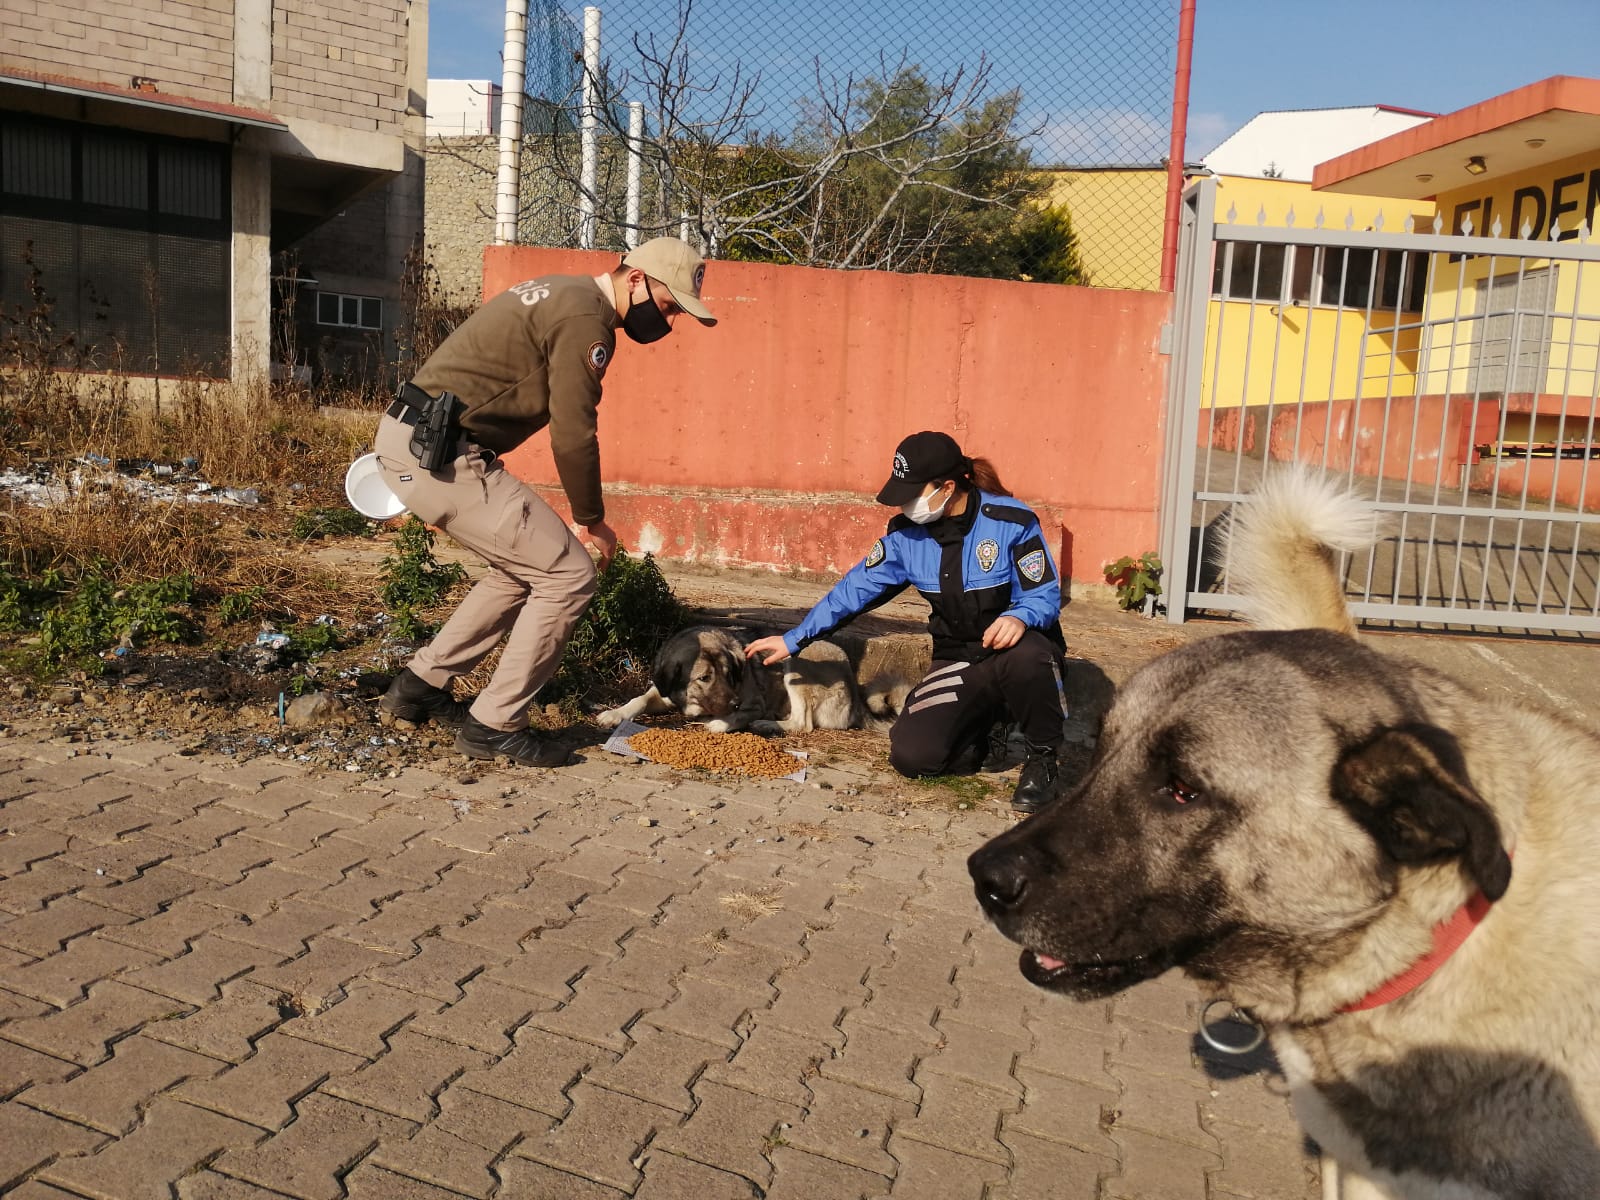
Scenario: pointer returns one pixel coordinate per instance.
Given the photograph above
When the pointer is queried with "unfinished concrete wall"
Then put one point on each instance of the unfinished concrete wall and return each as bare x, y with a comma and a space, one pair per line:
459, 212
341, 62
185, 46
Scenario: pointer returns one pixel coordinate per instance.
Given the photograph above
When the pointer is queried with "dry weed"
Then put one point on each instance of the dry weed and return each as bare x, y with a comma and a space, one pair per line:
746, 905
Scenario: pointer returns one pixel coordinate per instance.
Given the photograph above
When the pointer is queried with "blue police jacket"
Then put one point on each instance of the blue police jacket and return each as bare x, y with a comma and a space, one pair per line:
991, 561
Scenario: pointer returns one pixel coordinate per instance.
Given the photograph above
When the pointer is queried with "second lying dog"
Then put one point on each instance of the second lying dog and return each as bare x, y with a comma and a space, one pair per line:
703, 673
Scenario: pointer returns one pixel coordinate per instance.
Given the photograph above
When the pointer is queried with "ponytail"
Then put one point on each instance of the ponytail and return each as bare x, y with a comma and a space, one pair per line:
985, 478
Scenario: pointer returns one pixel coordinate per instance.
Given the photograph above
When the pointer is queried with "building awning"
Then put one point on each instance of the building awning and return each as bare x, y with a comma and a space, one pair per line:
1543, 122
62, 85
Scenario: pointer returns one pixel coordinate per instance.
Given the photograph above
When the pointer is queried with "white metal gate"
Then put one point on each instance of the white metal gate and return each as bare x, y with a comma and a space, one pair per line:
1454, 379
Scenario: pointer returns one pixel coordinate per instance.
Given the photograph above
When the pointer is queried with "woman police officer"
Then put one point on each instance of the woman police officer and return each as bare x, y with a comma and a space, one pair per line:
979, 558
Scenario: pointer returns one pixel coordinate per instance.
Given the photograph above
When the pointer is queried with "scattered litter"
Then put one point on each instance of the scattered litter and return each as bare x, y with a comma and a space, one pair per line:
273, 639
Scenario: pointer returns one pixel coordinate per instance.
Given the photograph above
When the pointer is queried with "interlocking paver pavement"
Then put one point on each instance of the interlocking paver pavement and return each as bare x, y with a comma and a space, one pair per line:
228, 981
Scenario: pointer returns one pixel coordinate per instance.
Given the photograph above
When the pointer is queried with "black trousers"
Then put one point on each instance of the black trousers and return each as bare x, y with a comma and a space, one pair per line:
942, 729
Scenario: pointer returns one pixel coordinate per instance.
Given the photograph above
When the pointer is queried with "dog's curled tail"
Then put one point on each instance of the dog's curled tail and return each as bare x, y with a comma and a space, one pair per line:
885, 700
1282, 547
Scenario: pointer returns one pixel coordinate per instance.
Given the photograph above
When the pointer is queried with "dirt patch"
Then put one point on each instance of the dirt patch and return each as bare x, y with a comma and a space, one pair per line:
210, 697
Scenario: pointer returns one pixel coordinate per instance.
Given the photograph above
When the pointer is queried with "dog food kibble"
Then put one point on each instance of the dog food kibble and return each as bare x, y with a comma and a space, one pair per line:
740, 753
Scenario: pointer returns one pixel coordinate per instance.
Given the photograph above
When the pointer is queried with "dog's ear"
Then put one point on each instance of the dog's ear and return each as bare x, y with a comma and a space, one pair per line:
670, 671
732, 663
1409, 787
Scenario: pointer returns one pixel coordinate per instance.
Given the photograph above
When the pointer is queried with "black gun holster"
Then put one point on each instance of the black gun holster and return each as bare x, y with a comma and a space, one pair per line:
436, 436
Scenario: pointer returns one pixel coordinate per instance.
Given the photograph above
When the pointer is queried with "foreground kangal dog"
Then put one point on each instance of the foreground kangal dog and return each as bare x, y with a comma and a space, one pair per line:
1398, 877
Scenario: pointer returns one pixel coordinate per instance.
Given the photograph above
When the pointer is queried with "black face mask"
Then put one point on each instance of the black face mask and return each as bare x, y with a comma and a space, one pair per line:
646, 323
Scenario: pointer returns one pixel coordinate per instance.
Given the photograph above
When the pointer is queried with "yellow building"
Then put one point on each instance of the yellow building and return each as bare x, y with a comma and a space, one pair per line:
1117, 213
1508, 322
1306, 307
1290, 322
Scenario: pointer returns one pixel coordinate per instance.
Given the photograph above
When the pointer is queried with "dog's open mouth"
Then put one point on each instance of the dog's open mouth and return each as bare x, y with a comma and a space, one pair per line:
1087, 980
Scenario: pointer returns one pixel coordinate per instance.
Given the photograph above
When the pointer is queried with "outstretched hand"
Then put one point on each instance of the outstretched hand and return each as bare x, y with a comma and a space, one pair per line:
774, 648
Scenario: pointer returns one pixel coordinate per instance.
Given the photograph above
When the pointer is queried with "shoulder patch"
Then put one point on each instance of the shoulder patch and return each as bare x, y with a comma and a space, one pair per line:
1016, 514
1032, 562
876, 554
599, 357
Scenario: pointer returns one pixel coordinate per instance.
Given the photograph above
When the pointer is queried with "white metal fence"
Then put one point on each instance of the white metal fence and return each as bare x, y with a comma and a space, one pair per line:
1452, 378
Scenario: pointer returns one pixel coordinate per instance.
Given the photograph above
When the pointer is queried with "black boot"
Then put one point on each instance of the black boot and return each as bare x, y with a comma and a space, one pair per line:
1040, 781
521, 746
411, 699
998, 747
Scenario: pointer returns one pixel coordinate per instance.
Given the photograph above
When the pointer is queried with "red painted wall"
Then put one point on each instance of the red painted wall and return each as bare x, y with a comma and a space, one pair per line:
761, 441
1427, 439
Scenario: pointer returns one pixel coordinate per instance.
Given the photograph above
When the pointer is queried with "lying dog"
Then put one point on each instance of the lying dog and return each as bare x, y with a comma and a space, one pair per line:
1307, 827
703, 673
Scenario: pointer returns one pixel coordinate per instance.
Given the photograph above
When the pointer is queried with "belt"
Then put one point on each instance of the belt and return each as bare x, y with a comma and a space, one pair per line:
402, 410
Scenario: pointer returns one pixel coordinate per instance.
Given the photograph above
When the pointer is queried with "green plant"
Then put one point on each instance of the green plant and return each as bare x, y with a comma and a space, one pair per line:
414, 579
94, 614
299, 685
632, 613
308, 641
329, 522
241, 605
1135, 578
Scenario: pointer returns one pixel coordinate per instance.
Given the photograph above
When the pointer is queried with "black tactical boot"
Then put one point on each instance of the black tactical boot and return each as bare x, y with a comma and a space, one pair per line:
997, 747
1040, 781
410, 699
521, 746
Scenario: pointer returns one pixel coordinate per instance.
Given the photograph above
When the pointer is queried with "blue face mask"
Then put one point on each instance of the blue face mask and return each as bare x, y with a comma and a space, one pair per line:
921, 513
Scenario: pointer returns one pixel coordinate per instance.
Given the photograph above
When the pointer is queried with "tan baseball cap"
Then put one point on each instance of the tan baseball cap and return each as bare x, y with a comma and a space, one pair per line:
678, 268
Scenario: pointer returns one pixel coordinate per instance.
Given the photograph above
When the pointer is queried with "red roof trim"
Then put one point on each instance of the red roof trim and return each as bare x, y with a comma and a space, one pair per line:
1564, 93
1406, 112
163, 100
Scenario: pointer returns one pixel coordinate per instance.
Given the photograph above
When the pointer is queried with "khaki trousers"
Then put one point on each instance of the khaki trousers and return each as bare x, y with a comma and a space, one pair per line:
540, 576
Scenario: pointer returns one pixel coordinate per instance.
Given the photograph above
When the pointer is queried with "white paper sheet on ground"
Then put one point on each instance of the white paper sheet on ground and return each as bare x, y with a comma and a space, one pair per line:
617, 743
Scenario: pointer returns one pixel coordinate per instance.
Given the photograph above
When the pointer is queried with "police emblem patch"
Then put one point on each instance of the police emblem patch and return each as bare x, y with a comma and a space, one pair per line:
988, 553
875, 555
599, 356
1032, 565
901, 466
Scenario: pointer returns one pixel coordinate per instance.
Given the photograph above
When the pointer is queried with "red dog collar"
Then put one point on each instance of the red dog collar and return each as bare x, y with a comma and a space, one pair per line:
1447, 938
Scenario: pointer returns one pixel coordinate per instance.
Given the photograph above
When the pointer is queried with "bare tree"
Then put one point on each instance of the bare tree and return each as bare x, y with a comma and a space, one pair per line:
880, 171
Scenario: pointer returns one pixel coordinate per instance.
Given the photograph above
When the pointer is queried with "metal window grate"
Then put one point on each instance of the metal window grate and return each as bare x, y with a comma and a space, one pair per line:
134, 276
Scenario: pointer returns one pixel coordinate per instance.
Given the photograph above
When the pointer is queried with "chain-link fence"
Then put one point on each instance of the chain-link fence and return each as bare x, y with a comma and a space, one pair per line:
1024, 139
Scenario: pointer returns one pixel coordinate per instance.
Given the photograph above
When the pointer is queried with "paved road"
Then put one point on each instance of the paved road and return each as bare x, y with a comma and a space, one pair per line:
239, 981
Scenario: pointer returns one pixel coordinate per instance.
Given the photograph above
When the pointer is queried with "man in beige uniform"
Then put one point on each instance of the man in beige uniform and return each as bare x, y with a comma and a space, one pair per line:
535, 355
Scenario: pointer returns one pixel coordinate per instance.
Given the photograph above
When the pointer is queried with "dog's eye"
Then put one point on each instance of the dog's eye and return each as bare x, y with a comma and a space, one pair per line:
1180, 792
706, 678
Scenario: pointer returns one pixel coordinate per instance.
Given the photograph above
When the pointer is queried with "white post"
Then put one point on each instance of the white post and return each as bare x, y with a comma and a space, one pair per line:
506, 188
635, 139
683, 225
590, 127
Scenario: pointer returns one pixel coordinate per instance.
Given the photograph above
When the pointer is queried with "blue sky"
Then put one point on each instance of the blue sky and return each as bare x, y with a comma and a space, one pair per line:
1249, 56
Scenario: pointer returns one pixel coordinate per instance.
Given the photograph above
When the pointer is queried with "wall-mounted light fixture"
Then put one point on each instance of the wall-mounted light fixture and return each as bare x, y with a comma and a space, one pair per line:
1476, 165
1533, 143
1425, 177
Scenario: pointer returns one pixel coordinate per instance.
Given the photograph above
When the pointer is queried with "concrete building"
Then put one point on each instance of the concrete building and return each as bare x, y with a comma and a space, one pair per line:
1289, 143
463, 107
160, 160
